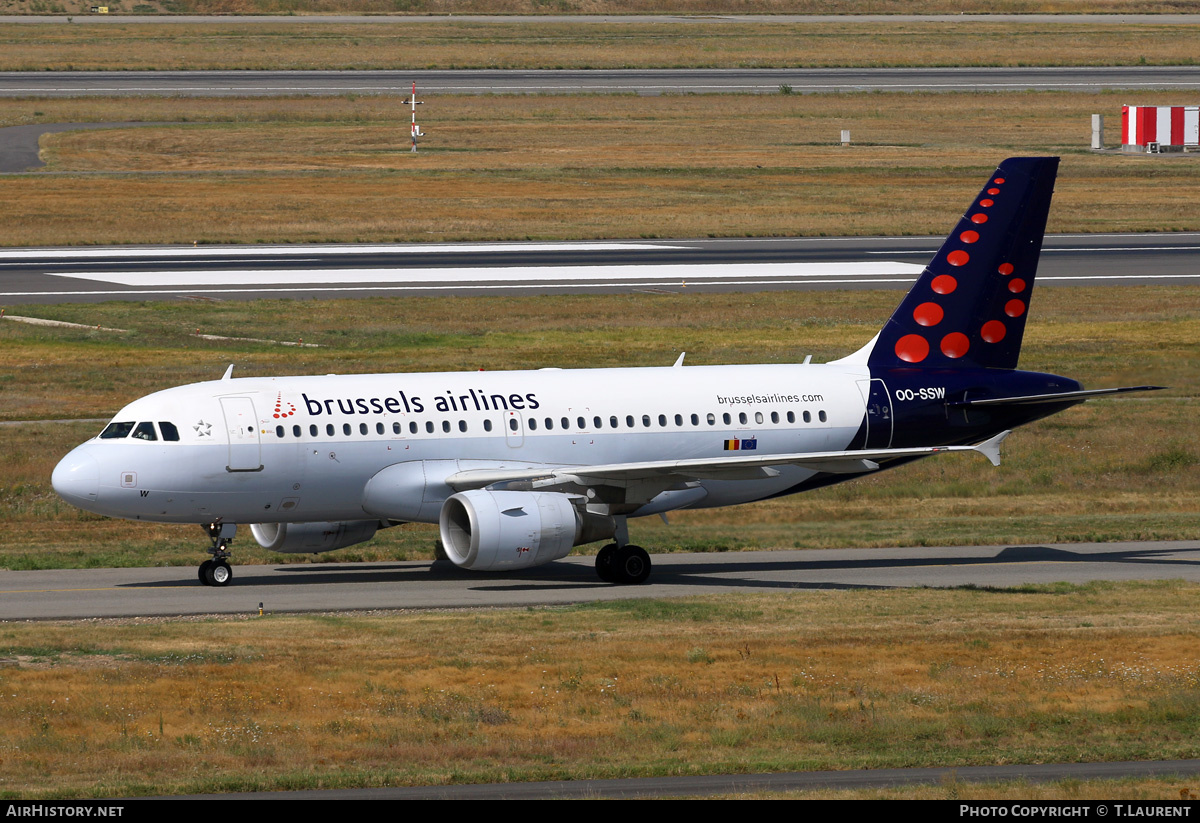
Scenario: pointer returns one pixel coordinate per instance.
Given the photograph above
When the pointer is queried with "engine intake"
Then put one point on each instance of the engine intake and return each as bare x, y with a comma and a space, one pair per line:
503, 530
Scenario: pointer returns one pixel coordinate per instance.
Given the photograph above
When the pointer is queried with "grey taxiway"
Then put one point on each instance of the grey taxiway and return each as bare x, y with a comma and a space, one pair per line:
333, 586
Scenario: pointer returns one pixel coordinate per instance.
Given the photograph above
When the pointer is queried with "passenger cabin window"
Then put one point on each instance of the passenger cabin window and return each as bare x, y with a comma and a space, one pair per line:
117, 431
144, 431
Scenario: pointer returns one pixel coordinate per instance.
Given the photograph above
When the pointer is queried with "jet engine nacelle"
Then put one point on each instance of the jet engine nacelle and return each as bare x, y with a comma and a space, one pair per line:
311, 538
503, 530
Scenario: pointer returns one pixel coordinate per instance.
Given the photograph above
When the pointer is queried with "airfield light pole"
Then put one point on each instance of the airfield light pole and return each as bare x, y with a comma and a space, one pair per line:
416, 130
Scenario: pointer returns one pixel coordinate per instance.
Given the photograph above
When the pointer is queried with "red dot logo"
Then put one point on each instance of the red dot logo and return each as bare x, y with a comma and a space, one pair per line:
999, 181
993, 331
928, 314
1014, 308
944, 284
955, 345
958, 257
912, 348
979, 218
969, 236
1005, 269
279, 412
987, 204
1016, 285
993, 191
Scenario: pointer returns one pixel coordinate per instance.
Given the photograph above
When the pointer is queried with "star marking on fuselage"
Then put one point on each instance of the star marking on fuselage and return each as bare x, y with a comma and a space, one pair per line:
203, 429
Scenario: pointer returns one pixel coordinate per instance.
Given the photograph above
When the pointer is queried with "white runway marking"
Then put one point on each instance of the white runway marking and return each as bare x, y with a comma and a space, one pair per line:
510, 275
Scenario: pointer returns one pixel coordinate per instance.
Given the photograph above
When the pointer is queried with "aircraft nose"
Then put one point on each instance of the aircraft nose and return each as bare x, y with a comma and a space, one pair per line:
76, 478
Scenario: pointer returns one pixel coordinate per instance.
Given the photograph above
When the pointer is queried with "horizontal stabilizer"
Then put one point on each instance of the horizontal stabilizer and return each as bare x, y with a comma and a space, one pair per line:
1054, 397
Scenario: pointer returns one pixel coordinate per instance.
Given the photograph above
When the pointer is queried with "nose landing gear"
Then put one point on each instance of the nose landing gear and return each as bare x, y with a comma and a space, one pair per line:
217, 572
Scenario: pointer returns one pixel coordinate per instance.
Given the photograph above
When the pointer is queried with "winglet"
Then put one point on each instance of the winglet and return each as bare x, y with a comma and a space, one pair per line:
228, 372
679, 362
991, 448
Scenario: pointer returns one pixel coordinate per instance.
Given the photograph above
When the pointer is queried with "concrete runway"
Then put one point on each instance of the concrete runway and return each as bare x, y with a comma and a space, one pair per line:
322, 587
94, 274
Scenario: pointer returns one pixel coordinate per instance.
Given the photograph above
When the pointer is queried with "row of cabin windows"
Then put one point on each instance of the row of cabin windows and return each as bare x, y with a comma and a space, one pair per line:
598, 423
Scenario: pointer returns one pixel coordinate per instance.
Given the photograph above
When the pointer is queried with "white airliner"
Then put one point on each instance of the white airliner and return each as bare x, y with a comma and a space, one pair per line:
519, 467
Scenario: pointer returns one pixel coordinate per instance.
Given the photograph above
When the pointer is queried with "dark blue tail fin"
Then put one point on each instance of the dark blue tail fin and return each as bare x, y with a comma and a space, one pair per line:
968, 308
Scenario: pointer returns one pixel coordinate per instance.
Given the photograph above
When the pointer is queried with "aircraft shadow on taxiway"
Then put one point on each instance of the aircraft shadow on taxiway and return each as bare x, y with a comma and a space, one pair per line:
727, 573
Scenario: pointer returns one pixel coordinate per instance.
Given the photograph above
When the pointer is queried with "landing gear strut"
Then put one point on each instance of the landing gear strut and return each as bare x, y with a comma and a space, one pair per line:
216, 572
623, 565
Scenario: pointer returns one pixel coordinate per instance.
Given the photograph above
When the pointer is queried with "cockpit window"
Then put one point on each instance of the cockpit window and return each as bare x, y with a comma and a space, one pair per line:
144, 431
169, 432
117, 431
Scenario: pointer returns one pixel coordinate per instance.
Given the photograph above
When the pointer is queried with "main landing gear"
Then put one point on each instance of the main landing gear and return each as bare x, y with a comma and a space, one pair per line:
624, 565
216, 572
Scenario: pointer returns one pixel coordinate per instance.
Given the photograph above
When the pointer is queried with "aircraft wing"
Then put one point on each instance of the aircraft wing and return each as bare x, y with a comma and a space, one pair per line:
740, 467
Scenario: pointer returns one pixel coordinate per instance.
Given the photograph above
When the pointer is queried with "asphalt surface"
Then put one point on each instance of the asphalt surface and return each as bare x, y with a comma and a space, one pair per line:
94, 274
735, 784
325, 587
615, 81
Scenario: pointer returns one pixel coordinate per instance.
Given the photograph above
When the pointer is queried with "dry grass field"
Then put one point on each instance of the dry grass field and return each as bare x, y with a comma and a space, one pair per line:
777, 682
578, 45
401, 8
300, 170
